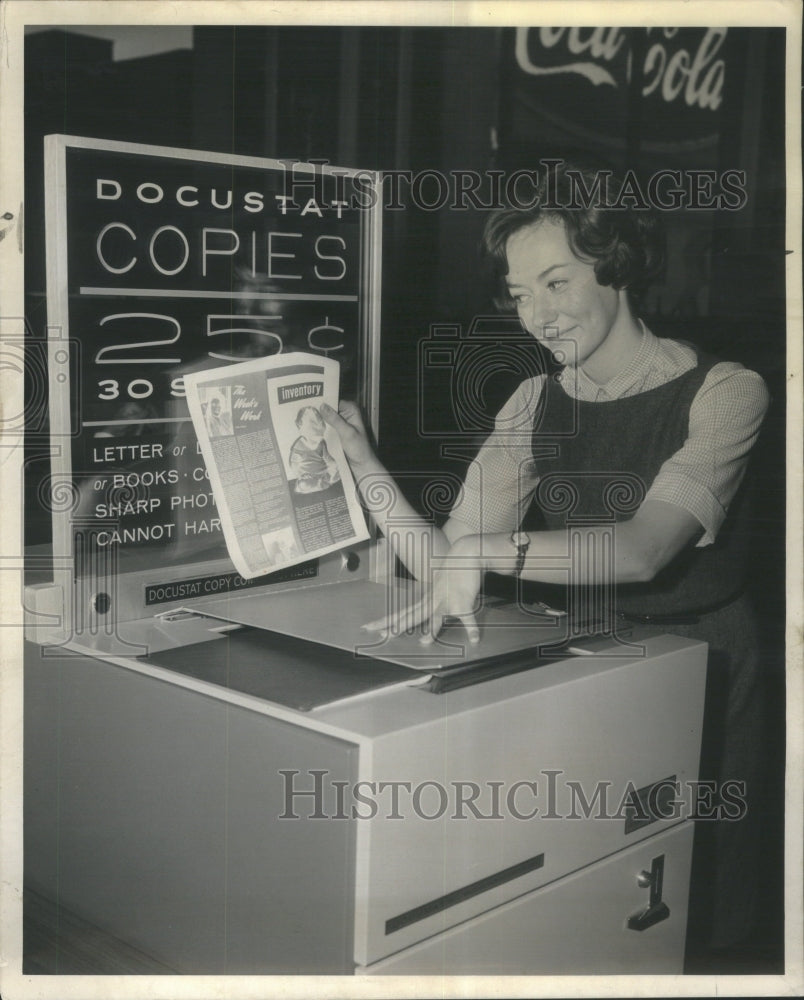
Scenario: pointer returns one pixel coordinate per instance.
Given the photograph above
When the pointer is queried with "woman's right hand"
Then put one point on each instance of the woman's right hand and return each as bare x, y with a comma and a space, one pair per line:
349, 426
384, 502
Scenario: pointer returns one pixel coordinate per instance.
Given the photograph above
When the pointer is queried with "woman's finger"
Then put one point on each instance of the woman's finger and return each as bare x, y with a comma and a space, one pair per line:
348, 425
346, 419
399, 621
334, 418
469, 622
350, 412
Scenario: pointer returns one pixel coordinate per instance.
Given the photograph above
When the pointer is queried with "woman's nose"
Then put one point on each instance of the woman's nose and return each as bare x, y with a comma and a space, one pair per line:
543, 315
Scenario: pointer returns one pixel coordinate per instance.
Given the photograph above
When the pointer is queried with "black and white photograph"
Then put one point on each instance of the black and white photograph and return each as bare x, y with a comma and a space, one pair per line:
309, 459
217, 410
534, 730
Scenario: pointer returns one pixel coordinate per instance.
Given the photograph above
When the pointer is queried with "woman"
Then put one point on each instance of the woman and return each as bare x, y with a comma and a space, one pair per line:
645, 432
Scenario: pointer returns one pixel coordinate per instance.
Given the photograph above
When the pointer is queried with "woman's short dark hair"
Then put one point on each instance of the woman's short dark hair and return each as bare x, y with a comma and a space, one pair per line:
626, 245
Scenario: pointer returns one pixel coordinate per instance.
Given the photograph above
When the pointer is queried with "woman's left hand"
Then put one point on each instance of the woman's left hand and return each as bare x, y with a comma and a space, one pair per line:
454, 592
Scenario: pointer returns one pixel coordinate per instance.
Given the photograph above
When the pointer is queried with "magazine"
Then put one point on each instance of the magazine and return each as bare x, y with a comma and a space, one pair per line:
281, 481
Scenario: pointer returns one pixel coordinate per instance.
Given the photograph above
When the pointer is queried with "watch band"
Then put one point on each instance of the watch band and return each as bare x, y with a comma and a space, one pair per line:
521, 541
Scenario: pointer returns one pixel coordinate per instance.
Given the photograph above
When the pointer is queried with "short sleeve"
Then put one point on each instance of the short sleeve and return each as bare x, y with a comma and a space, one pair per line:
500, 480
704, 475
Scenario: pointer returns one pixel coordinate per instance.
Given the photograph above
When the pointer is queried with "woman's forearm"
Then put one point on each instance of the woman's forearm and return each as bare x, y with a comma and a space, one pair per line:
414, 540
631, 551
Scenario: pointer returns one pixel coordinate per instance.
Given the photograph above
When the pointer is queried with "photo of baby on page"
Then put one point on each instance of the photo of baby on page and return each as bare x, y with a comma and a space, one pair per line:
315, 469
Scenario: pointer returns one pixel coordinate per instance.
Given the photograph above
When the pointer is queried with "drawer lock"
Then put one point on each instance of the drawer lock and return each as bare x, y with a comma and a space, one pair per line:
656, 910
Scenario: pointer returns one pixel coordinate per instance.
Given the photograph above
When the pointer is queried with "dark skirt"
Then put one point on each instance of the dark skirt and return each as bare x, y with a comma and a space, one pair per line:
726, 867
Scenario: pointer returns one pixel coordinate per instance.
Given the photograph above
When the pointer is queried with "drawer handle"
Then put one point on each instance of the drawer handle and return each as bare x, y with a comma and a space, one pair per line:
442, 903
656, 910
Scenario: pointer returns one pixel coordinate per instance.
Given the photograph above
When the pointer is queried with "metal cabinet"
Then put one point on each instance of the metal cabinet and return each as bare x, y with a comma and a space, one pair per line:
222, 833
151, 811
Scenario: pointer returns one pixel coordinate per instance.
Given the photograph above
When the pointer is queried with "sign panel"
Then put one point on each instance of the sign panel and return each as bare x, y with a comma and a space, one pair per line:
163, 262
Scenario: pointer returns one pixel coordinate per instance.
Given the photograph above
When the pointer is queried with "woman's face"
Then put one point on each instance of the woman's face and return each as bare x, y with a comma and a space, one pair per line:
559, 301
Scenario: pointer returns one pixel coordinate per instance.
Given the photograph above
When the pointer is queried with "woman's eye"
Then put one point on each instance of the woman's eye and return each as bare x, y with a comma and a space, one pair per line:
556, 284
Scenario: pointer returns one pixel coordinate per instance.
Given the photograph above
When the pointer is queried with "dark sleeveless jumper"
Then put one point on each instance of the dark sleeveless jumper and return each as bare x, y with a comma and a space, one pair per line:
596, 462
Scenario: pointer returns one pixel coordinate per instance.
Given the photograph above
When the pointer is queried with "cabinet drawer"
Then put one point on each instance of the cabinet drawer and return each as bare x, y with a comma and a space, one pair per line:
578, 924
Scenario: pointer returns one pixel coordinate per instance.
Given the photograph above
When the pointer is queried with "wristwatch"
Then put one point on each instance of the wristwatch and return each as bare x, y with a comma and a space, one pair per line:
521, 542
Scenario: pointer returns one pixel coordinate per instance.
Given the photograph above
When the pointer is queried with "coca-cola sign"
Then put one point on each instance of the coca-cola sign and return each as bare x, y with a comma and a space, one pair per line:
671, 70
589, 75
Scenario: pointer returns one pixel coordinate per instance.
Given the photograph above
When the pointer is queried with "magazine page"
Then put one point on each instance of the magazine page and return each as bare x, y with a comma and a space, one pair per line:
281, 481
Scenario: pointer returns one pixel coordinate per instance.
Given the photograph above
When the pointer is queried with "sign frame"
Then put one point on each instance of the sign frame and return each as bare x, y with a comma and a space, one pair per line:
94, 593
